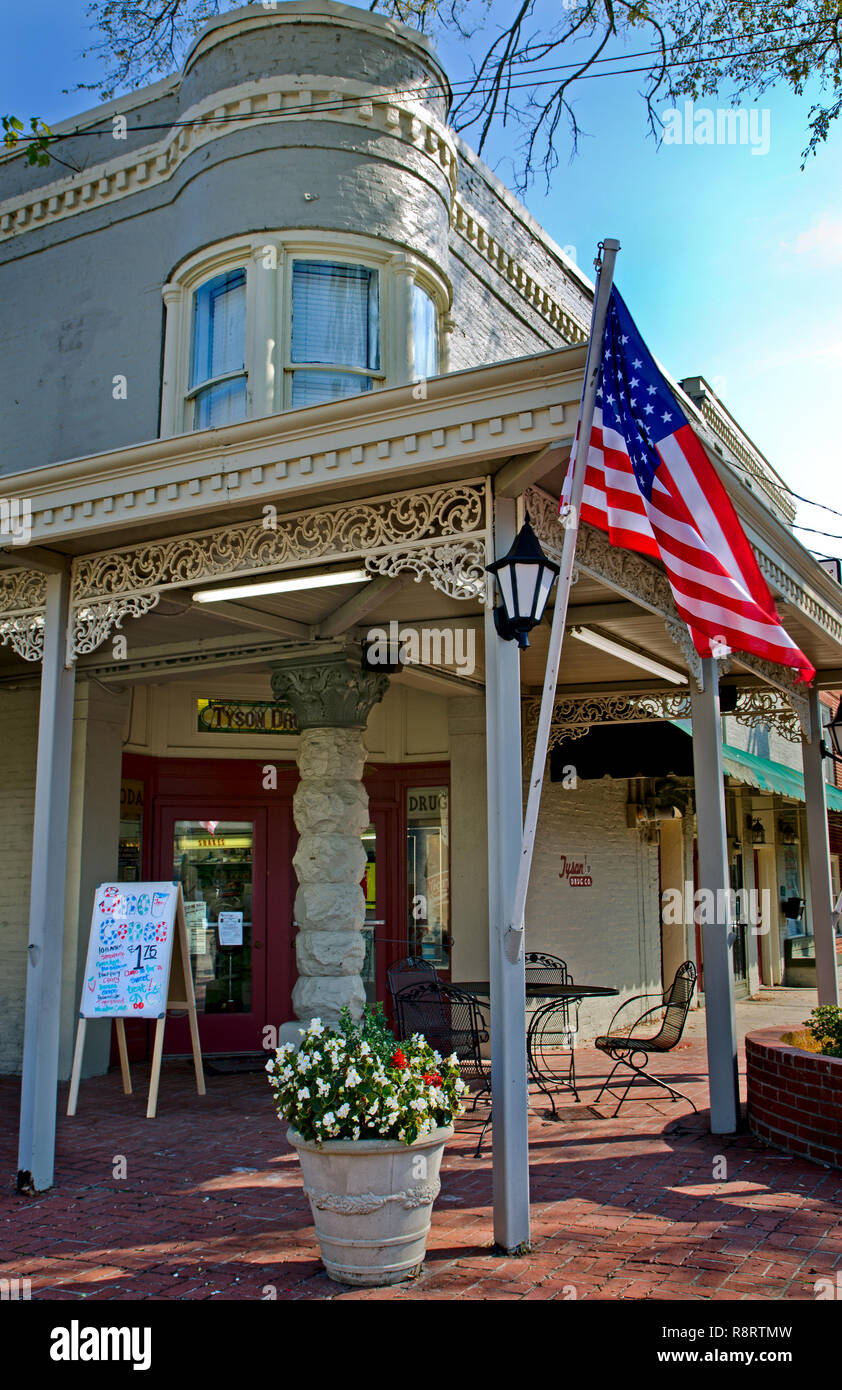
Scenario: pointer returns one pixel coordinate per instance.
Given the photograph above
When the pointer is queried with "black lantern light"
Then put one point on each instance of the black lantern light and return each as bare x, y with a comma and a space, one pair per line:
834, 728
787, 833
524, 577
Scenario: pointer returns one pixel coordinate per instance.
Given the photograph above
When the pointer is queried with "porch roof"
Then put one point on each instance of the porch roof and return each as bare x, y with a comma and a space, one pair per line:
765, 774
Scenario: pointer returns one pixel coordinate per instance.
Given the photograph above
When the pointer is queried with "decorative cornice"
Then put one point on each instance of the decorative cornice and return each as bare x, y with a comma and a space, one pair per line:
743, 450
308, 96
474, 231
793, 593
377, 440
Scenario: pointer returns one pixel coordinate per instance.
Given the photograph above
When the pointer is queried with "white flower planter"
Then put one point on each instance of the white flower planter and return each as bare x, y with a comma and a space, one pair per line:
371, 1201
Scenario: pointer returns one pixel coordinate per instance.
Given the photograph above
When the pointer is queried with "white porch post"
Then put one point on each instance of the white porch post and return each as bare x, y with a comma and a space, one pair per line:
720, 1017
36, 1152
818, 850
507, 976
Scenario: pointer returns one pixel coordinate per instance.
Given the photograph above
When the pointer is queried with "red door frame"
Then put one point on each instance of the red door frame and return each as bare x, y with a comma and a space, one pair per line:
193, 784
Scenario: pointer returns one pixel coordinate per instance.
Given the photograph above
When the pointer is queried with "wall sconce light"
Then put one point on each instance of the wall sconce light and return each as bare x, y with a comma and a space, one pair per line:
787, 832
758, 834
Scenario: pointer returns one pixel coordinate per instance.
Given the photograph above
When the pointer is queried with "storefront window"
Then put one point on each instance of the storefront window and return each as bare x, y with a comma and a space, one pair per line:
130, 851
213, 862
428, 874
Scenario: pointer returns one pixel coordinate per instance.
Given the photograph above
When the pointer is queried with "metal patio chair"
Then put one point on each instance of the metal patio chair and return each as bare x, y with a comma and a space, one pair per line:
625, 1048
451, 1021
412, 970
552, 1027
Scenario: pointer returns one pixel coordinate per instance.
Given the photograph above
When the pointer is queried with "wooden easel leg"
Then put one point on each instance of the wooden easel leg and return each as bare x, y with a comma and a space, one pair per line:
154, 1079
76, 1073
197, 1052
124, 1057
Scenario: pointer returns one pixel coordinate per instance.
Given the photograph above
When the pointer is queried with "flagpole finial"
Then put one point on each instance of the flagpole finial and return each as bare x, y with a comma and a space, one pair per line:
610, 243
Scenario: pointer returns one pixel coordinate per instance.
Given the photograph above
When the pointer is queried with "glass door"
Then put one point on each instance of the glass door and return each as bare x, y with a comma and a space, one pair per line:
220, 862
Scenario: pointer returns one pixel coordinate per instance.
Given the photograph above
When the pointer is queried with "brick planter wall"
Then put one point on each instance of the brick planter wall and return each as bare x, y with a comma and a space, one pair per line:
794, 1097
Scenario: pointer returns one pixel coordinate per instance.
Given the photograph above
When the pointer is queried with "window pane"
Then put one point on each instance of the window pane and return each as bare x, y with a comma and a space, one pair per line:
334, 314
314, 388
424, 334
428, 874
219, 327
224, 404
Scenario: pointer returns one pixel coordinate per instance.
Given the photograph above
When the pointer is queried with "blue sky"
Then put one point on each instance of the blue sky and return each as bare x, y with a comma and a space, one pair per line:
731, 261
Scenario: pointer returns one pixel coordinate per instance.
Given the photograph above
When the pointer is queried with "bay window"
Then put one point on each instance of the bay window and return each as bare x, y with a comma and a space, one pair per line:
280, 321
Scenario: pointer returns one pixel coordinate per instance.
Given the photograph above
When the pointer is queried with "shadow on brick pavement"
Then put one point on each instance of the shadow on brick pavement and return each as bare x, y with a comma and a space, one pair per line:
645, 1206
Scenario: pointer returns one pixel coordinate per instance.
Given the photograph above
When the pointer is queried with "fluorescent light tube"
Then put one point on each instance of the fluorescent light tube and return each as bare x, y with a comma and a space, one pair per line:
283, 586
646, 663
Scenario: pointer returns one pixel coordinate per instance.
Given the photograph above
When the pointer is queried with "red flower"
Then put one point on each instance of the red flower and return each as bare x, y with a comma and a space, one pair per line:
432, 1078
398, 1060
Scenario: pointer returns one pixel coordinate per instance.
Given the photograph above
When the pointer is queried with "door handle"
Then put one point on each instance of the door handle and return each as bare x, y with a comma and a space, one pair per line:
258, 945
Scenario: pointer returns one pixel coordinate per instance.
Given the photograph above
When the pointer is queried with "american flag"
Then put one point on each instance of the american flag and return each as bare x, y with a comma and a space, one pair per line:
651, 486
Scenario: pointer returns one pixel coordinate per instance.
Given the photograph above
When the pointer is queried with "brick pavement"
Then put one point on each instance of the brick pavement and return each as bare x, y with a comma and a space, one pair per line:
636, 1208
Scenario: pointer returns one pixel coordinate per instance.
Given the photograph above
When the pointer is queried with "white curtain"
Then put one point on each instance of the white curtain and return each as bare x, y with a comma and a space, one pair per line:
335, 315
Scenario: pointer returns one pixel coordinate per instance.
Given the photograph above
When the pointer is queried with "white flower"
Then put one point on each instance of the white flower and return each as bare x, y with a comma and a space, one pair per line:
304, 1093
343, 1110
322, 1085
352, 1077
330, 1119
365, 1050
270, 1065
316, 1027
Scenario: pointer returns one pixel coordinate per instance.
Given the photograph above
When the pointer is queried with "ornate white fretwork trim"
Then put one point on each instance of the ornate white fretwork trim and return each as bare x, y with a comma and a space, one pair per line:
25, 635
439, 534
575, 716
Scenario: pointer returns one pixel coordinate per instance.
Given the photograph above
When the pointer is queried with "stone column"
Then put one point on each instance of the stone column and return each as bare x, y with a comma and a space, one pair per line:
332, 697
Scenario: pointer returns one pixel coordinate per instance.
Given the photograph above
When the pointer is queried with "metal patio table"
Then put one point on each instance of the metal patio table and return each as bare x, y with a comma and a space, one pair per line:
553, 995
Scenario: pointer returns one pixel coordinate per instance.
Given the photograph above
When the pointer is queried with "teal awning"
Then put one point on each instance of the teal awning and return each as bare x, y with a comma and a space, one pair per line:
765, 774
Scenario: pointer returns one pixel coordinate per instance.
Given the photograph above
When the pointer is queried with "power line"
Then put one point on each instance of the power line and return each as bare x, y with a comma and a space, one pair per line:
466, 87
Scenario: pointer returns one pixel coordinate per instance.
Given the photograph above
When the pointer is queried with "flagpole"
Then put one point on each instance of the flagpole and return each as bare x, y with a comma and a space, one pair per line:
605, 278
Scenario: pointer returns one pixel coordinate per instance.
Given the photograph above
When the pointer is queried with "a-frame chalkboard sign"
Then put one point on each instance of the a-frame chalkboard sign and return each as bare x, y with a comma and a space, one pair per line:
138, 966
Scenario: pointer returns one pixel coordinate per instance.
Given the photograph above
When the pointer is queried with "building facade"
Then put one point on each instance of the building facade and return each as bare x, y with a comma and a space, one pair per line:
283, 328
